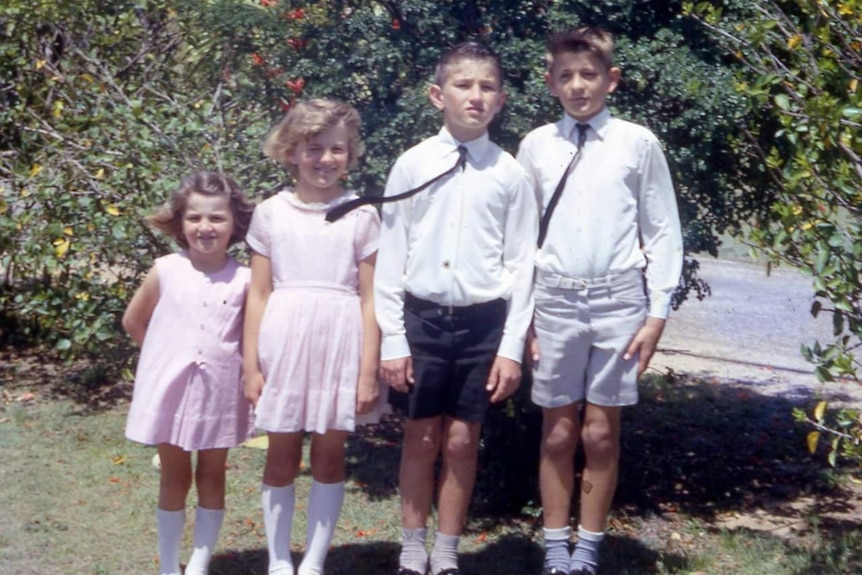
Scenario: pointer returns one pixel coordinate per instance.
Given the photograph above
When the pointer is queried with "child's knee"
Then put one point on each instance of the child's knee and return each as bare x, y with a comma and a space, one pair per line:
461, 446
560, 441
600, 440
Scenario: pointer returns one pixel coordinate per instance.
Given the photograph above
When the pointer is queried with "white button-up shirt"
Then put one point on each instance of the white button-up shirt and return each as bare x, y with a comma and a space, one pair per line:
467, 239
618, 210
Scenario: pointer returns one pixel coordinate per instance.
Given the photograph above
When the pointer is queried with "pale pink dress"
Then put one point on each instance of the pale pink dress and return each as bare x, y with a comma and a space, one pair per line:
311, 333
188, 386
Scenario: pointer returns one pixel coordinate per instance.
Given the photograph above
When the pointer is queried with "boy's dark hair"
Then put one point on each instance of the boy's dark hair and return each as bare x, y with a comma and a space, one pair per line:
467, 51
598, 42
169, 218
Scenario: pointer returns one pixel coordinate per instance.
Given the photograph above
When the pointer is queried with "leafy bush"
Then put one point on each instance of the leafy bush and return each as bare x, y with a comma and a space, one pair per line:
800, 75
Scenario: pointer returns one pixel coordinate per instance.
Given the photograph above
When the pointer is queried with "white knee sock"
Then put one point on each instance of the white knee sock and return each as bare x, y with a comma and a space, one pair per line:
278, 503
170, 525
324, 506
207, 526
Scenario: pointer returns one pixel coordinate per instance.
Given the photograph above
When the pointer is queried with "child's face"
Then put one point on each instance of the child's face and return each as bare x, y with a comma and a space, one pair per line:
469, 98
580, 81
323, 159
208, 225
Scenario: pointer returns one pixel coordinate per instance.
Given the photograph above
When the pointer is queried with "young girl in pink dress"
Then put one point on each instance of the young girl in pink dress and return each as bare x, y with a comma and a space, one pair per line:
188, 396
310, 343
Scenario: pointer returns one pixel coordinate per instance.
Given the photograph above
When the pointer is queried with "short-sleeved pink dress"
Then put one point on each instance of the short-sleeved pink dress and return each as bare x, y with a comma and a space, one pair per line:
310, 339
188, 386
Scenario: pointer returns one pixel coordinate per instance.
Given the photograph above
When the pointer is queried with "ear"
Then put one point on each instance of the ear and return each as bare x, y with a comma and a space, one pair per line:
435, 94
549, 82
614, 75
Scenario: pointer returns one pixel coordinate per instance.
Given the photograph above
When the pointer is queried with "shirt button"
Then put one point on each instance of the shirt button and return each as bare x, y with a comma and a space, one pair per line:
446, 264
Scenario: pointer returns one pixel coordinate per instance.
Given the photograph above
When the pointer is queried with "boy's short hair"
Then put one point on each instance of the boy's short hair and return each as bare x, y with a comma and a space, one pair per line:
598, 42
467, 51
169, 218
307, 119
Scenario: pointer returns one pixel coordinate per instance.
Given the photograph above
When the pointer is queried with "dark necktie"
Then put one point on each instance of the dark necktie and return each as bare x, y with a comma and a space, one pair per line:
346, 207
546, 217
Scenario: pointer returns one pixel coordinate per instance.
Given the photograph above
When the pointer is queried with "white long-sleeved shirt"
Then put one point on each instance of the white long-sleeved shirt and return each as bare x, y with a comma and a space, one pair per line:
467, 239
618, 210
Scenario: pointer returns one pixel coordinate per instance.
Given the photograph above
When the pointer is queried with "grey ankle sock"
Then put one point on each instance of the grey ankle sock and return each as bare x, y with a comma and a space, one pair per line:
586, 555
444, 554
413, 553
557, 548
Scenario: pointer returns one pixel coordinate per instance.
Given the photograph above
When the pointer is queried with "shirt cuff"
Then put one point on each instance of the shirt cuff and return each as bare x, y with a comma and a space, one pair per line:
659, 307
511, 348
394, 347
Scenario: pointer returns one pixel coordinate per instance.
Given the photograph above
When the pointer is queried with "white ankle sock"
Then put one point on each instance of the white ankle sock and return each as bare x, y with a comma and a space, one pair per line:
444, 554
278, 503
170, 525
413, 553
586, 553
557, 548
324, 506
207, 526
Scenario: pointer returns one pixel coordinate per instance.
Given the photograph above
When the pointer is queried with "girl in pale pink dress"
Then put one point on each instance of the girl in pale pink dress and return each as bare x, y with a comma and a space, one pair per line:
187, 317
310, 343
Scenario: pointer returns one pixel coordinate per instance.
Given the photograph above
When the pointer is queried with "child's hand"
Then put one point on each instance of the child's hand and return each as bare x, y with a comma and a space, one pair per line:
504, 378
254, 387
645, 342
367, 394
397, 373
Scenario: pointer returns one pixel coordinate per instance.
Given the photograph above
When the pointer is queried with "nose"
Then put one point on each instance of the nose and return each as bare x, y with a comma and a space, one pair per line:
475, 92
327, 156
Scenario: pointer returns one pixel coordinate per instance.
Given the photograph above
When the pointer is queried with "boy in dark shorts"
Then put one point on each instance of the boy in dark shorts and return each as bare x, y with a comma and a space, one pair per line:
452, 297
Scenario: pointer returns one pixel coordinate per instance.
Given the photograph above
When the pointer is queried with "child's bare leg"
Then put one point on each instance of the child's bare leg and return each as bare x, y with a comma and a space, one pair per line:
174, 485
560, 433
278, 496
176, 477
327, 496
458, 475
209, 515
422, 438
601, 438
210, 478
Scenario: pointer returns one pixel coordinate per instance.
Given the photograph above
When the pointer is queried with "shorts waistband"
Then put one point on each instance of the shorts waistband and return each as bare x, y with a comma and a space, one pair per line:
550, 279
428, 309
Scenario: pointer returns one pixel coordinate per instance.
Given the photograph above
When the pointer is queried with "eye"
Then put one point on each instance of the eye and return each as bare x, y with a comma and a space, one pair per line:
193, 218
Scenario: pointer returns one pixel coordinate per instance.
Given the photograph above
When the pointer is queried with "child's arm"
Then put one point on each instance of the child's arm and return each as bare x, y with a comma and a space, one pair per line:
519, 242
139, 311
258, 292
367, 391
396, 365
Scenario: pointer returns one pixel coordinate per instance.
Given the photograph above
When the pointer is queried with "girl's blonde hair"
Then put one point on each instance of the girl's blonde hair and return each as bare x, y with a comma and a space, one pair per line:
169, 218
307, 119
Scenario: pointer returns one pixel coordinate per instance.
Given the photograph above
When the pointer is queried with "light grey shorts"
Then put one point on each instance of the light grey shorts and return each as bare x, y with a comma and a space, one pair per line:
583, 328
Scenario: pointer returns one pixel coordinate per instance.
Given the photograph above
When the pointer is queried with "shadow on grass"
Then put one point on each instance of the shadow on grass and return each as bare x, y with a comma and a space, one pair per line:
702, 447
511, 554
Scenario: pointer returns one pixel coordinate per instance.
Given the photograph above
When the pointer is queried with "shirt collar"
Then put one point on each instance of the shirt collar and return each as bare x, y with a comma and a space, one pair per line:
475, 148
599, 123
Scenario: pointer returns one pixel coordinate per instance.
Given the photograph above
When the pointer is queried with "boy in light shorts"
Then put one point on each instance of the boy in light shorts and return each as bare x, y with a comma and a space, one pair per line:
609, 259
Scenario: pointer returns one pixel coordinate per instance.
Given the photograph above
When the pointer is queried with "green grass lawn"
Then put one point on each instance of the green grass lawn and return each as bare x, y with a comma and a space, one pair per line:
77, 498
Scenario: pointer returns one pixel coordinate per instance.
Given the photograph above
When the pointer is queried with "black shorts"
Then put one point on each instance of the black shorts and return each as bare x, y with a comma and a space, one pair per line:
453, 349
